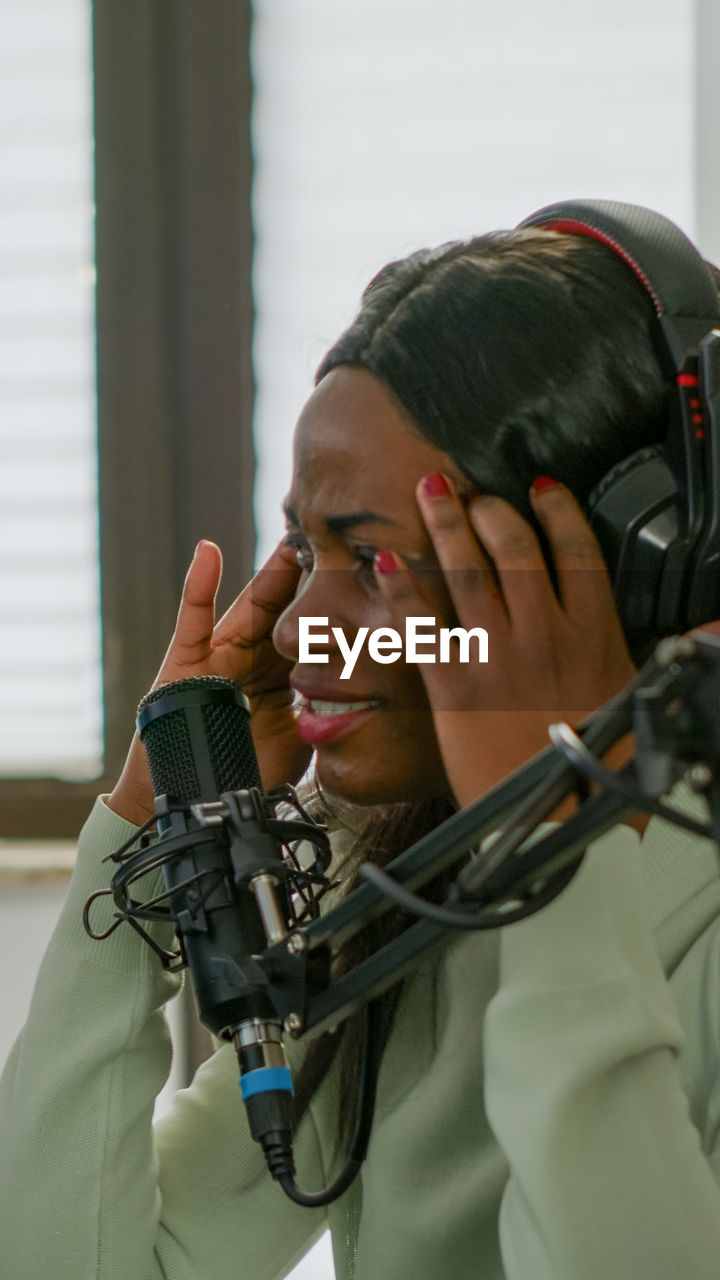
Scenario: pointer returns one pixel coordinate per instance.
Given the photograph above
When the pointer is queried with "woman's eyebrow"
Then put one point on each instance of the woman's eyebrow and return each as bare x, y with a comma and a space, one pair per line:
338, 523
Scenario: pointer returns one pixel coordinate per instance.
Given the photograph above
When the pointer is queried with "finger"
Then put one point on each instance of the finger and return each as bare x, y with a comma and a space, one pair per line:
583, 580
405, 598
520, 566
468, 573
253, 615
404, 594
190, 643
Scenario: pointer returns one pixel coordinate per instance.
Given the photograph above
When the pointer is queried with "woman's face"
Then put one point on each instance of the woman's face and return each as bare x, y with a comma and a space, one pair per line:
357, 462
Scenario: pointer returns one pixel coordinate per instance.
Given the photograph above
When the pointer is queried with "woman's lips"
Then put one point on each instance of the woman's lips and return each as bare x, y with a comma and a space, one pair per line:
320, 721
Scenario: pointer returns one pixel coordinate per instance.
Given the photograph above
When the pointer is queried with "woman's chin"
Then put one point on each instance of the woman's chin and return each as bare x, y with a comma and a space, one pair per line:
362, 782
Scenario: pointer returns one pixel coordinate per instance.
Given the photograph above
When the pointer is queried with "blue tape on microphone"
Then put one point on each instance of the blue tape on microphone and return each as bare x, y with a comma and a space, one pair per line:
265, 1079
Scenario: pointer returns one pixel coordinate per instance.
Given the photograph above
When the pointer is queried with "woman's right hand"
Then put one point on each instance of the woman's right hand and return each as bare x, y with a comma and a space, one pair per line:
240, 648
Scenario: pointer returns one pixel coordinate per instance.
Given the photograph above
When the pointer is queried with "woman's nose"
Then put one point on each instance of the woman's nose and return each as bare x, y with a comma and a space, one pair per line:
318, 596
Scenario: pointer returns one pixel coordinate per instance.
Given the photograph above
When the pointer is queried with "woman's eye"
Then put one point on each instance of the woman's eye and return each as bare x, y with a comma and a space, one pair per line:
304, 557
365, 557
303, 554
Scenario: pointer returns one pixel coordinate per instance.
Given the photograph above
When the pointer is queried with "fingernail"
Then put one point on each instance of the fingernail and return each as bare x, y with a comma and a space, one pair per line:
385, 562
543, 482
435, 485
202, 543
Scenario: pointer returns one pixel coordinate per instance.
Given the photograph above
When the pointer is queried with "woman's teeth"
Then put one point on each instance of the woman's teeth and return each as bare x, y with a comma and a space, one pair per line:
338, 708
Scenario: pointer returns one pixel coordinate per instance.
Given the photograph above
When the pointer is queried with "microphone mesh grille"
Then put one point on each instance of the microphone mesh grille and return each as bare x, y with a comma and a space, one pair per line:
231, 747
226, 739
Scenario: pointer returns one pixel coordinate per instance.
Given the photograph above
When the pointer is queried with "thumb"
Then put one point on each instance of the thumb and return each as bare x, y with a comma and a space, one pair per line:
190, 646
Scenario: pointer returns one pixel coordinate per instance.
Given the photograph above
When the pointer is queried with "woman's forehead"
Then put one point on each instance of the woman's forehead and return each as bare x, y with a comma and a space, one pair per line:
353, 425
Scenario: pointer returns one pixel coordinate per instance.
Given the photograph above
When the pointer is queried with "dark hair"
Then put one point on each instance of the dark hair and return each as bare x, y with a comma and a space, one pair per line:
518, 353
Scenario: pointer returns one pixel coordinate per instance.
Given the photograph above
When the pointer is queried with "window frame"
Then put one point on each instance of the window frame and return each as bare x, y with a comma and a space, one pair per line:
174, 323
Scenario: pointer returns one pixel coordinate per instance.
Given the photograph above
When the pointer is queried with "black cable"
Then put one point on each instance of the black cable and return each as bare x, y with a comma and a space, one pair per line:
367, 1088
566, 740
604, 728
571, 746
457, 918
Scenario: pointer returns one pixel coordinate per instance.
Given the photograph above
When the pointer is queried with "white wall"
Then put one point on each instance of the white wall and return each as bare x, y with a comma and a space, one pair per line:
380, 128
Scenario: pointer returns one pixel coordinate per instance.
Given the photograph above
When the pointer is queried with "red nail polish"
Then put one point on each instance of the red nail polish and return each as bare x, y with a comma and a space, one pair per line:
385, 562
435, 485
543, 482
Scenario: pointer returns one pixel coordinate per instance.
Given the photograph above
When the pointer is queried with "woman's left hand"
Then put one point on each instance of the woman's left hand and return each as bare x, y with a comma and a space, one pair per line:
552, 655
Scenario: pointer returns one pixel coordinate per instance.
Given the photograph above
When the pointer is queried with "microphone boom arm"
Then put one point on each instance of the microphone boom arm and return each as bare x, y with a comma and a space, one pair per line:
670, 704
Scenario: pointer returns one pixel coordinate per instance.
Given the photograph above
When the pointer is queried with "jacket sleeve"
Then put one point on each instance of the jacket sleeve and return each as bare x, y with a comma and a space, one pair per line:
87, 1188
608, 1177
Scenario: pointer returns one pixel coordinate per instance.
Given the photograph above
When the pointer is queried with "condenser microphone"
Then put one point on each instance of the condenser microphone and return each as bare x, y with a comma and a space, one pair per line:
234, 887
196, 733
227, 891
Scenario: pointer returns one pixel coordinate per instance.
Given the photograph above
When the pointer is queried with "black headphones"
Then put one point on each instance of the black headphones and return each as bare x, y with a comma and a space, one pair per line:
656, 514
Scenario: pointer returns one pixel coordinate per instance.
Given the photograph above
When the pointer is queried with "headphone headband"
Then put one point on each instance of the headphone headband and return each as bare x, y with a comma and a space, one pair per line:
663, 258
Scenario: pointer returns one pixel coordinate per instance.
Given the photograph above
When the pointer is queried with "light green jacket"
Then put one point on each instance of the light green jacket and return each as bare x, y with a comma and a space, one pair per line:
548, 1104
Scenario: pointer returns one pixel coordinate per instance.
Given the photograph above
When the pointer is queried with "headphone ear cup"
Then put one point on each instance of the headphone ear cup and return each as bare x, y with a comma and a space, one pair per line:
633, 512
657, 515
617, 472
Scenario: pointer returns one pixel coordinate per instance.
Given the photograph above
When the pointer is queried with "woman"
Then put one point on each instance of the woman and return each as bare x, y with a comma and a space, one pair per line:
537, 1115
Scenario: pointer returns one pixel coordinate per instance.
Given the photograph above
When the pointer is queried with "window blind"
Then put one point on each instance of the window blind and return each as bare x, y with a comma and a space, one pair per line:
50, 683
